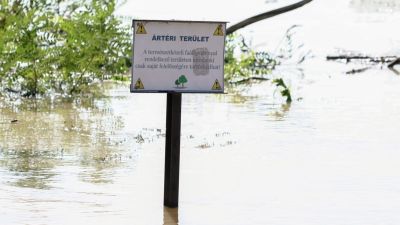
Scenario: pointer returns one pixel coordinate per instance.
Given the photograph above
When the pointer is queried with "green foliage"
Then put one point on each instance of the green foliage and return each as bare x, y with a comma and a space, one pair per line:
122, 78
243, 63
60, 46
285, 91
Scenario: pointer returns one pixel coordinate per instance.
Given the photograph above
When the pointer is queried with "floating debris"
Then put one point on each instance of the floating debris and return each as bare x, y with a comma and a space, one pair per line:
139, 139
353, 71
205, 145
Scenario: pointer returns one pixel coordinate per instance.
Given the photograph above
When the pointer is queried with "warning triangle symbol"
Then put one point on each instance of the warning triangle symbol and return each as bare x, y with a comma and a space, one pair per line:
140, 29
216, 85
139, 84
219, 31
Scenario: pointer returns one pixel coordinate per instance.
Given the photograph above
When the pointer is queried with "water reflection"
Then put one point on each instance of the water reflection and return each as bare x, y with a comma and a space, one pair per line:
394, 70
281, 112
39, 135
31, 166
170, 216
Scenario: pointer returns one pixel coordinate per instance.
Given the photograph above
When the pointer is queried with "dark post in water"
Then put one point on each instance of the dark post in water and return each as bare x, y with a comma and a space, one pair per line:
172, 149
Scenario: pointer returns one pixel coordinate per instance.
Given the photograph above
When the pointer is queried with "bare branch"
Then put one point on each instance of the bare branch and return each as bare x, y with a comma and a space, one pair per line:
394, 62
265, 15
372, 59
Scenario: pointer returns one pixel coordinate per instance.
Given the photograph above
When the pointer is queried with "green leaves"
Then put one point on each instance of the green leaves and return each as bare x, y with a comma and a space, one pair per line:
44, 49
284, 90
242, 63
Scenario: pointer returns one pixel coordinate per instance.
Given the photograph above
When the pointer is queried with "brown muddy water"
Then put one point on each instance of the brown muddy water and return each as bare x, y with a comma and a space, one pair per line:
331, 157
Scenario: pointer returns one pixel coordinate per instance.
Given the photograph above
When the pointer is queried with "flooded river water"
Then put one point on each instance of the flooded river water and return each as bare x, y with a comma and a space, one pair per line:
331, 157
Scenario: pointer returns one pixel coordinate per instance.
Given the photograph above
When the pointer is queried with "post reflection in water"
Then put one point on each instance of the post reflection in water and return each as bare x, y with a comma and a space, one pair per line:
170, 216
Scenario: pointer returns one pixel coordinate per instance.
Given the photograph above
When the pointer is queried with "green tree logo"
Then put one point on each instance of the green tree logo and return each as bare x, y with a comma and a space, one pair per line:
181, 81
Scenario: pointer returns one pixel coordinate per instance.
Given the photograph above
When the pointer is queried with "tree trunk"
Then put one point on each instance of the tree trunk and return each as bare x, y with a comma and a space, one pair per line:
265, 15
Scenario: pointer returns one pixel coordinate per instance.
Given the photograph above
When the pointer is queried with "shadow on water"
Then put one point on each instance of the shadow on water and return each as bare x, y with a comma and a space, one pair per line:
171, 216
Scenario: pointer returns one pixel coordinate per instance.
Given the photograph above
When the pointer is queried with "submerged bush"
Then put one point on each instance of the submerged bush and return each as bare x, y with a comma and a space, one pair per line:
283, 88
243, 63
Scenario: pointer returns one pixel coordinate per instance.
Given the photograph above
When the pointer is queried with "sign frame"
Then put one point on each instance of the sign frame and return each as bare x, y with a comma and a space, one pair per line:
219, 82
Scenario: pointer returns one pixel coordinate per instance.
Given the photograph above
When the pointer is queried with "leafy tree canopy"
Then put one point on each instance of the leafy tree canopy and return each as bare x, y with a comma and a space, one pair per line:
60, 46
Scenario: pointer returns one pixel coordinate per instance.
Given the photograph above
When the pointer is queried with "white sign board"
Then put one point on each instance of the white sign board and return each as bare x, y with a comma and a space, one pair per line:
178, 56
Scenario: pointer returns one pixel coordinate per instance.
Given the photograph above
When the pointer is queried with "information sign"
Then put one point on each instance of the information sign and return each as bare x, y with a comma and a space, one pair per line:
178, 56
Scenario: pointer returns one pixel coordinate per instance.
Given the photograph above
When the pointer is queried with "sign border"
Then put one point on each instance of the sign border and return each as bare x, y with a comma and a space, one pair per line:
133, 90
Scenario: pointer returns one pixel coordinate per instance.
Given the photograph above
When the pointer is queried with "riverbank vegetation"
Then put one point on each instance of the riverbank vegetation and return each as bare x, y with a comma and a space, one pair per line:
64, 47
243, 64
60, 46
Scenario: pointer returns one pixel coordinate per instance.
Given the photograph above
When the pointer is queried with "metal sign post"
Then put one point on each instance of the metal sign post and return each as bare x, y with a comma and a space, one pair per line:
176, 57
172, 149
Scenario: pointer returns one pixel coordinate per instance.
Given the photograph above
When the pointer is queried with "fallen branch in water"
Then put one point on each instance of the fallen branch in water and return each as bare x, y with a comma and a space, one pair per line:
394, 71
353, 71
395, 62
390, 60
247, 79
349, 58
